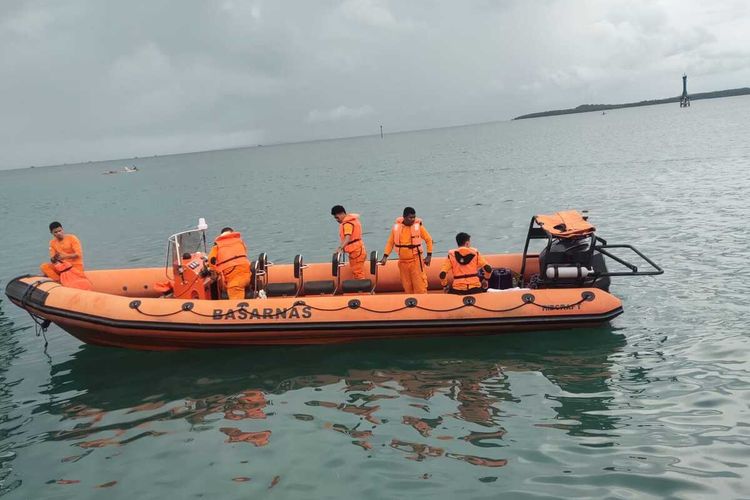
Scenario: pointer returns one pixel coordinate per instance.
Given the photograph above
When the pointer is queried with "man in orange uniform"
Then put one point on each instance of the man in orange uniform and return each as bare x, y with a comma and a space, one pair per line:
228, 258
63, 248
407, 235
464, 264
350, 236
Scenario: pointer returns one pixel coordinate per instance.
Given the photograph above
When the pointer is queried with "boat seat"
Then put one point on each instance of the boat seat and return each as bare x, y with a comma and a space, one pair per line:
281, 289
356, 286
260, 282
319, 287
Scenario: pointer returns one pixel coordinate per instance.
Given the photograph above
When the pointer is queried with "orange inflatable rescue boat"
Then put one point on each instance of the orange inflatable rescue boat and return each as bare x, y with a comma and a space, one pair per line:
564, 284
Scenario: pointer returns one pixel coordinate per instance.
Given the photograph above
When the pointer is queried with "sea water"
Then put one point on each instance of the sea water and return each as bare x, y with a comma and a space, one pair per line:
653, 405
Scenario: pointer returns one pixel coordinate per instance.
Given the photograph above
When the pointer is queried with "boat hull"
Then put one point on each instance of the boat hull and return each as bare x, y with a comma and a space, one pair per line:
148, 322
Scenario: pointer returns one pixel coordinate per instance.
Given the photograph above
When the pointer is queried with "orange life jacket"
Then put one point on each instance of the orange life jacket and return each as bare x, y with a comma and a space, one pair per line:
72, 277
231, 251
465, 267
416, 235
356, 236
567, 224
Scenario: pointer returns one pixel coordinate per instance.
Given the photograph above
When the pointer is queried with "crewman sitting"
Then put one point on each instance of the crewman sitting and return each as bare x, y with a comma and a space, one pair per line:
407, 235
464, 263
350, 240
228, 259
63, 249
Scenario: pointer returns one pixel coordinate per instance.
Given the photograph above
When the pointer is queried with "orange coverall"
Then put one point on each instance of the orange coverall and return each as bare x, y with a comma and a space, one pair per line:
236, 278
356, 253
68, 245
410, 265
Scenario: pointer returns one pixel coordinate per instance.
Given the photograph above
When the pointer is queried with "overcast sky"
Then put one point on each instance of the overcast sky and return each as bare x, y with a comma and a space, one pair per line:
101, 79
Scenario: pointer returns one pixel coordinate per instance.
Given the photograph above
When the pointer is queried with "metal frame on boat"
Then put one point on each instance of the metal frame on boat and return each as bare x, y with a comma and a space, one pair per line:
589, 265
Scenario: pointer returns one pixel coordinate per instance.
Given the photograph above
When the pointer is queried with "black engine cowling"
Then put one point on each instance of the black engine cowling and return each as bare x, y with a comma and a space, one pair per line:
567, 262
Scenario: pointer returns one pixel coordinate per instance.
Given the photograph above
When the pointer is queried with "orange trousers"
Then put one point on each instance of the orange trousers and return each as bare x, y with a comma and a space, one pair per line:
235, 282
73, 278
357, 262
48, 269
466, 283
413, 276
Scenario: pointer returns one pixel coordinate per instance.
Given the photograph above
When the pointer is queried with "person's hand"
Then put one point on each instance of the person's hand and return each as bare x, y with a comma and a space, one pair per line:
340, 250
427, 260
446, 289
383, 260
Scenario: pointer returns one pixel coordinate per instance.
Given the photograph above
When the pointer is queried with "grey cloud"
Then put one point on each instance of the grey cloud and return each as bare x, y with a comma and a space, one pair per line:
339, 113
97, 79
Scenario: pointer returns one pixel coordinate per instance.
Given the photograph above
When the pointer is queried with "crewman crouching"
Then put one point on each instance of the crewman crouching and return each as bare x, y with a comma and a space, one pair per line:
464, 263
229, 259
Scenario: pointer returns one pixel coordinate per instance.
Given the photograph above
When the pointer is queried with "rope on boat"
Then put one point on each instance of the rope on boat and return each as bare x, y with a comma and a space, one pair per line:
40, 324
189, 307
409, 303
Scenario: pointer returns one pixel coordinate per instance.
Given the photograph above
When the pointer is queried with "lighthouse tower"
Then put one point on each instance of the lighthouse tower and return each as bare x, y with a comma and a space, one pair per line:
684, 100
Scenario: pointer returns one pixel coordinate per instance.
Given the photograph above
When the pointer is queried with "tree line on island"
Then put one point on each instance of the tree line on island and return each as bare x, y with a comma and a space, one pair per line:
585, 108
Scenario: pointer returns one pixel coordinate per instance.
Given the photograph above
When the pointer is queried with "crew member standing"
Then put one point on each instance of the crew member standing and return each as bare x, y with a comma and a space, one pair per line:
464, 263
407, 236
350, 237
63, 249
229, 259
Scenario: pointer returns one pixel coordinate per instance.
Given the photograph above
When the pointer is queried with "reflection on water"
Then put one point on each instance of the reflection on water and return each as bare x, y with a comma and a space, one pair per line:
9, 423
445, 399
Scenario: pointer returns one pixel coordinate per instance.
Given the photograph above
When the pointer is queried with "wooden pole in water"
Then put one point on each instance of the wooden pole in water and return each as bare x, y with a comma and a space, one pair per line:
381, 131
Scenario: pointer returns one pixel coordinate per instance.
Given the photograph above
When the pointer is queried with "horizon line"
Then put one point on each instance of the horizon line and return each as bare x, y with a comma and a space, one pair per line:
273, 144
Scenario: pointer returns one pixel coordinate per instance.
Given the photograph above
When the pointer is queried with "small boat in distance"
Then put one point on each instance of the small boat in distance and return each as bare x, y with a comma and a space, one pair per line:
125, 170
564, 285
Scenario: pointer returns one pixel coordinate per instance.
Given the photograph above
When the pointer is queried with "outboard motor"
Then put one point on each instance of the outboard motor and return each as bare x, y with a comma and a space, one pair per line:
572, 262
566, 258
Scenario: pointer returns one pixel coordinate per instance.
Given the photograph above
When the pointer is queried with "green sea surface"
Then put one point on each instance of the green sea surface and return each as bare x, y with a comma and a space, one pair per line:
654, 405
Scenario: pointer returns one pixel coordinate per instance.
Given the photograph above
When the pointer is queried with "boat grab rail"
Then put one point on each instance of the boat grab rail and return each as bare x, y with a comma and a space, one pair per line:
374, 264
337, 262
603, 247
260, 273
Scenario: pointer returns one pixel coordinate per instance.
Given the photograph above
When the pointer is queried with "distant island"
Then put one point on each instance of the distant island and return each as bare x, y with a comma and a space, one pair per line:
585, 108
